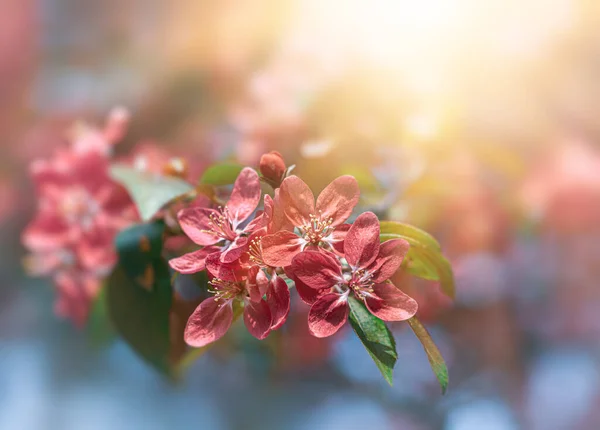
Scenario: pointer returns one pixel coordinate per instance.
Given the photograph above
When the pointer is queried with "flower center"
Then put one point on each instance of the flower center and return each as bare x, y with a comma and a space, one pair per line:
220, 224
79, 207
316, 230
361, 283
225, 290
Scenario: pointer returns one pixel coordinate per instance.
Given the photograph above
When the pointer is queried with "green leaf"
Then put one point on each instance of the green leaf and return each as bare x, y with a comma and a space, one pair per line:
395, 229
221, 174
433, 354
139, 247
99, 327
150, 192
424, 258
139, 293
375, 336
142, 317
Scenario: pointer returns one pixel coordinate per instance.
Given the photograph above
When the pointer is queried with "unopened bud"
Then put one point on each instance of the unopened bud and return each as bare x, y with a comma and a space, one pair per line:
272, 167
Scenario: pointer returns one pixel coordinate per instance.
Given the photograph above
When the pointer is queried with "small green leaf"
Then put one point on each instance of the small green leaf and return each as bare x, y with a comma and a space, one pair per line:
433, 354
395, 229
149, 191
375, 336
221, 174
99, 326
424, 258
420, 267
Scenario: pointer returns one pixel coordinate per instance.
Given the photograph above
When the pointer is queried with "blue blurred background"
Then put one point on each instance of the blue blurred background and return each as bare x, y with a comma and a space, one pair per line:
478, 121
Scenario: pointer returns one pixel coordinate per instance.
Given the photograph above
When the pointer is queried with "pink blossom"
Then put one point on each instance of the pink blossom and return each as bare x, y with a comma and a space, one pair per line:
80, 211
563, 191
366, 274
232, 283
318, 224
224, 231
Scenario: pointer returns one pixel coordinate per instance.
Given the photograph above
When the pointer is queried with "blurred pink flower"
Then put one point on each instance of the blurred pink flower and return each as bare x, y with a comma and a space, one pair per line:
563, 191
79, 212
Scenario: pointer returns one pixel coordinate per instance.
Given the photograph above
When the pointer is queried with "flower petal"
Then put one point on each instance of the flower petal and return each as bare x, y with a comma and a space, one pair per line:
316, 269
245, 195
328, 314
307, 295
391, 255
361, 245
280, 248
390, 304
257, 318
297, 200
257, 283
192, 262
257, 223
279, 220
337, 238
338, 199
278, 299
235, 250
195, 223
226, 271
209, 322
46, 232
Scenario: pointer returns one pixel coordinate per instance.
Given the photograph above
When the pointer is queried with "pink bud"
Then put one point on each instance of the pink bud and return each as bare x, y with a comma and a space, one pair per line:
272, 167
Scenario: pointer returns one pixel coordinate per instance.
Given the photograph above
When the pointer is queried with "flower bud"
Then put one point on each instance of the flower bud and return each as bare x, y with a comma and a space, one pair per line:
272, 167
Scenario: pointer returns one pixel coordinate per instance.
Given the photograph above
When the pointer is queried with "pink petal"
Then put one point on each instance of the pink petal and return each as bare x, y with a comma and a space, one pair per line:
235, 250
278, 299
338, 199
46, 232
328, 314
192, 262
391, 255
297, 200
257, 318
318, 270
361, 245
390, 304
195, 223
209, 322
338, 237
279, 221
280, 248
257, 223
226, 271
256, 284
245, 195
307, 294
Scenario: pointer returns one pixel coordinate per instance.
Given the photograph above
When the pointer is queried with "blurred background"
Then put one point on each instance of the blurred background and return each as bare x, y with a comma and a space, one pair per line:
477, 121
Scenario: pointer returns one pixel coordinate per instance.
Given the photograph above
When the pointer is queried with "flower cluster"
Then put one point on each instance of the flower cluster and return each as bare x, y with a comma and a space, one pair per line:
249, 254
80, 210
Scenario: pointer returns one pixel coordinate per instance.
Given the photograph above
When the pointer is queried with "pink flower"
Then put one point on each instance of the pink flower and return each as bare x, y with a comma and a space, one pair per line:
80, 211
225, 230
319, 224
233, 283
368, 266
563, 190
